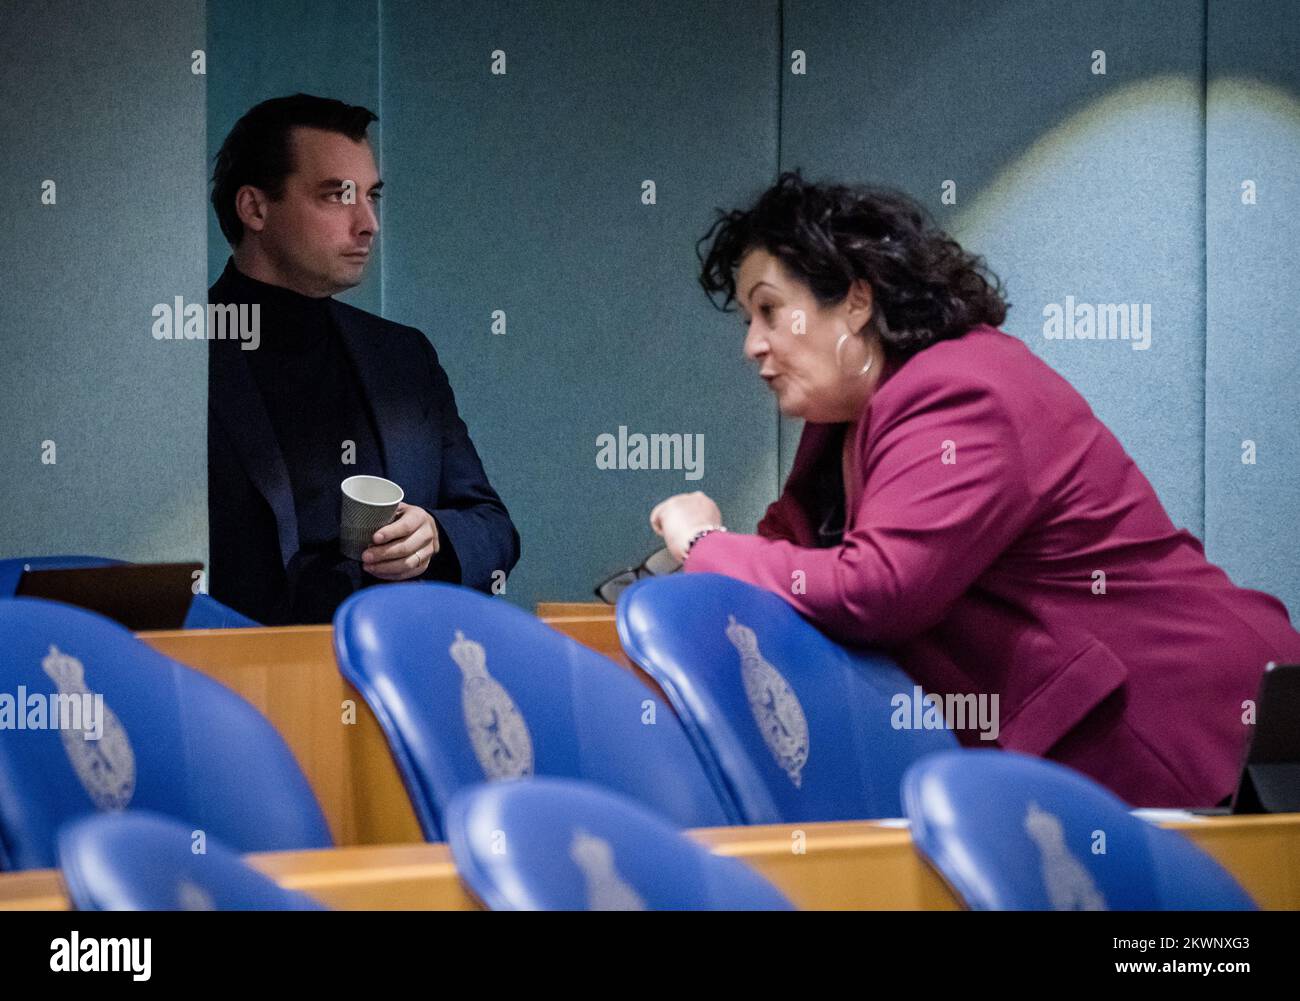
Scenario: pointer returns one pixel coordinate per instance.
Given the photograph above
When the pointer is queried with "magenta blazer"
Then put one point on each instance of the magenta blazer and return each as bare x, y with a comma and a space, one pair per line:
989, 501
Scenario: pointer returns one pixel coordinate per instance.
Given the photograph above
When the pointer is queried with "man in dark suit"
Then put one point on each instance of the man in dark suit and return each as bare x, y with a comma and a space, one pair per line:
317, 390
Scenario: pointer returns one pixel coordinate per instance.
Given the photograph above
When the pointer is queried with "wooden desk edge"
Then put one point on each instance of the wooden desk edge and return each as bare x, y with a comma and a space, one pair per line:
423, 876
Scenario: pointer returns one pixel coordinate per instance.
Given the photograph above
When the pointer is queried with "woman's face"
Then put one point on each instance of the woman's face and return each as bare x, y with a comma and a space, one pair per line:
793, 340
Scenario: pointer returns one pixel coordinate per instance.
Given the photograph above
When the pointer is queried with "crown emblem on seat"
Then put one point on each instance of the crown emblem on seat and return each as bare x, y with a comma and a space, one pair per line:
495, 727
772, 701
105, 766
192, 897
1069, 885
606, 889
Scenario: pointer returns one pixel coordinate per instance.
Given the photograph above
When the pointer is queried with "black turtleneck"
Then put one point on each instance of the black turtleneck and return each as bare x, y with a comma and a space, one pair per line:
314, 401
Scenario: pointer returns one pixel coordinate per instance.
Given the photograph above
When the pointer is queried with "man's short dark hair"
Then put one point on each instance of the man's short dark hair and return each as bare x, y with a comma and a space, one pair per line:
258, 151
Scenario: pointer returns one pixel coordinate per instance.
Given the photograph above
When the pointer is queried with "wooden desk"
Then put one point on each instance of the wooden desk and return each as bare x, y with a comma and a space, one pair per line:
574, 609
857, 865
289, 673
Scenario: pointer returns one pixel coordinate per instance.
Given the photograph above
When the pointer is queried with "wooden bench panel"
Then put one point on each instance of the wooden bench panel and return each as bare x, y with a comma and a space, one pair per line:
845, 865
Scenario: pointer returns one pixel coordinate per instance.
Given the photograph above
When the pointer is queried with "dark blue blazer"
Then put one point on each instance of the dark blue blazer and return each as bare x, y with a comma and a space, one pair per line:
252, 525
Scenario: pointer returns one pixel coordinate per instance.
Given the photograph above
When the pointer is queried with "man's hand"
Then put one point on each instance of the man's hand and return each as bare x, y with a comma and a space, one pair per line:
403, 548
679, 517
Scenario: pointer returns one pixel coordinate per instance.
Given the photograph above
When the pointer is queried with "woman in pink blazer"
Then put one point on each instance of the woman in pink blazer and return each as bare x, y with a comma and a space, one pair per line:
956, 502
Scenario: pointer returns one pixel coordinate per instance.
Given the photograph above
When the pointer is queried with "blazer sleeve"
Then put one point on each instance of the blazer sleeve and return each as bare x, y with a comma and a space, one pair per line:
474, 526
924, 528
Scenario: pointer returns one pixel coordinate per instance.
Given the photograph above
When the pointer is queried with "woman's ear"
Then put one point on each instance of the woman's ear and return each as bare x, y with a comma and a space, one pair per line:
861, 303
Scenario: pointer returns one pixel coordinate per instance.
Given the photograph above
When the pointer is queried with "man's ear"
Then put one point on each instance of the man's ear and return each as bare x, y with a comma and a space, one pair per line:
250, 206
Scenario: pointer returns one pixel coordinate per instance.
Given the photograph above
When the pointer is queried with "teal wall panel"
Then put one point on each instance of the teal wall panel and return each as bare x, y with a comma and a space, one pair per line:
522, 193
112, 114
1252, 509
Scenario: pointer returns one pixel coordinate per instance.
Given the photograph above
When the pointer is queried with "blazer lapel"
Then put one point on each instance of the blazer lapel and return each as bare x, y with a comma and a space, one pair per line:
800, 496
396, 407
234, 401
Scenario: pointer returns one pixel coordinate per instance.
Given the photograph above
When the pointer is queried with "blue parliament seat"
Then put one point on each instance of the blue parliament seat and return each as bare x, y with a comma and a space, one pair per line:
98, 720
12, 569
206, 612
791, 725
467, 687
558, 844
1012, 832
143, 861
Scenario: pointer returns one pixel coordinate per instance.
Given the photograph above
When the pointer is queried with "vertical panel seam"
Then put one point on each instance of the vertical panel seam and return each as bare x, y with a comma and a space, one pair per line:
379, 100
1205, 271
780, 116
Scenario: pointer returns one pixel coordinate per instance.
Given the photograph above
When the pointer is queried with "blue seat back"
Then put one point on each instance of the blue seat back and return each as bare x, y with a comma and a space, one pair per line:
468, 688
12, 569
142, 861
168, 739
557, 844
795, 726
205, 612
1013, 832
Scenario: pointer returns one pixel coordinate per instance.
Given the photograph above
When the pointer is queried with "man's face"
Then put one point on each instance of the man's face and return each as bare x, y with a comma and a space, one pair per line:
316, 239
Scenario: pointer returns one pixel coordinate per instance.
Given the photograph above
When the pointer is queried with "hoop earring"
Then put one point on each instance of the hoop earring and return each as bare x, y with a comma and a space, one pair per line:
839, 351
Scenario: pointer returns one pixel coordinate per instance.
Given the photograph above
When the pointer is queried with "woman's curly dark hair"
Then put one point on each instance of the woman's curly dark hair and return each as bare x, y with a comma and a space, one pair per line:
926, 288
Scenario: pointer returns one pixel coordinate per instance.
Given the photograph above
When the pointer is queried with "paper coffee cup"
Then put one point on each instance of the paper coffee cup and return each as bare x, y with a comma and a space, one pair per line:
369, 503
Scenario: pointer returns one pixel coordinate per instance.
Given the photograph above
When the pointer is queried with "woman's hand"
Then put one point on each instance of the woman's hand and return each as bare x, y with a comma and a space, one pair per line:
679, 517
